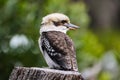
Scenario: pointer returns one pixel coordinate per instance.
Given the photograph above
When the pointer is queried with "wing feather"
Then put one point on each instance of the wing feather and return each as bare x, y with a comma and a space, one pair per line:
60, 48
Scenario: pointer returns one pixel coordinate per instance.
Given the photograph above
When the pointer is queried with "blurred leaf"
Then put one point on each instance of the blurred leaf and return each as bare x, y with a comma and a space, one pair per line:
105, 76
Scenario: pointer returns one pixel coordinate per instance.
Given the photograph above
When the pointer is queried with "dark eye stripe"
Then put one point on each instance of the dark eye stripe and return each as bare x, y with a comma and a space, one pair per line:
59, 23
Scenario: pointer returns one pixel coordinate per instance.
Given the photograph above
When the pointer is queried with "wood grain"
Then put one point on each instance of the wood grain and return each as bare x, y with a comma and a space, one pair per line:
33, 73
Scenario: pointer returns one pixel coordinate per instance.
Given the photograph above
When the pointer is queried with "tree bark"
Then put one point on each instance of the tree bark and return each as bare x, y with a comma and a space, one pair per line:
23, 73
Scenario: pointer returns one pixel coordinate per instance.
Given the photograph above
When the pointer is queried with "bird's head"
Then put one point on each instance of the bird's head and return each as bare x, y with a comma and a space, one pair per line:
56, 22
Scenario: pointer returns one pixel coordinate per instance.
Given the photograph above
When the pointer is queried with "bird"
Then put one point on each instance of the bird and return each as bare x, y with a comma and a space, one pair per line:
56, 46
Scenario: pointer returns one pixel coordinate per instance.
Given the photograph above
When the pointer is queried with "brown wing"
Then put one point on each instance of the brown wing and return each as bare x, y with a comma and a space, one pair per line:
60, 49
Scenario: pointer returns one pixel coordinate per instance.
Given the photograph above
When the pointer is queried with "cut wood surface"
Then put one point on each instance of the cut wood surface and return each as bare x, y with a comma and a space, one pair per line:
33, 73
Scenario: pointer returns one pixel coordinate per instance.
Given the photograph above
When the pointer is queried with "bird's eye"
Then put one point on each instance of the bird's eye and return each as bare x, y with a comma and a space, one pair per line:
63, 21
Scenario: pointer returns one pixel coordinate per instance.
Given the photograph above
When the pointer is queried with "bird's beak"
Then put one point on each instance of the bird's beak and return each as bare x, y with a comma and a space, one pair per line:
71, 26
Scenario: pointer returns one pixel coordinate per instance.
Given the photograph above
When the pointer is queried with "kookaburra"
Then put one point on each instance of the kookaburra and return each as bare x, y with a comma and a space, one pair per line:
56, 47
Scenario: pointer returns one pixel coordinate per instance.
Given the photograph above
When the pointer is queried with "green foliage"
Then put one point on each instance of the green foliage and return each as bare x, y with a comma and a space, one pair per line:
78, 14
59, 6
105, 76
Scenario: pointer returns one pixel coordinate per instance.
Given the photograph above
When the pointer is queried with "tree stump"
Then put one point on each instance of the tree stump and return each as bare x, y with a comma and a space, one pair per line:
23, 73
